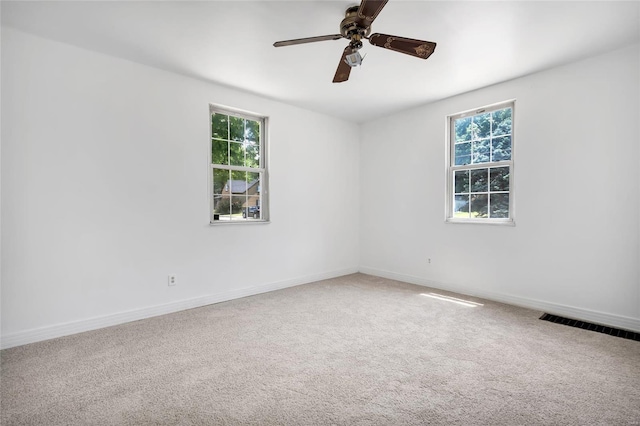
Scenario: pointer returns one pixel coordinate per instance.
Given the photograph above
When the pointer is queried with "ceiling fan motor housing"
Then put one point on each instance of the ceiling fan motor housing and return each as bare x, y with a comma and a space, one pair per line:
353, 29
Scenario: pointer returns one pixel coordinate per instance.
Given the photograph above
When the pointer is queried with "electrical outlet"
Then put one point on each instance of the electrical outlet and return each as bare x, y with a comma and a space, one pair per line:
429, 260
173, 279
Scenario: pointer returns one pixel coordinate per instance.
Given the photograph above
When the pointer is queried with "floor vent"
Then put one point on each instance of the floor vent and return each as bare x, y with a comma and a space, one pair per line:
593, 327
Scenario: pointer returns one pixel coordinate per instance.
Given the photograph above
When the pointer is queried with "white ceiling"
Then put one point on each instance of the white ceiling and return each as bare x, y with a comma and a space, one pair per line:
230, 42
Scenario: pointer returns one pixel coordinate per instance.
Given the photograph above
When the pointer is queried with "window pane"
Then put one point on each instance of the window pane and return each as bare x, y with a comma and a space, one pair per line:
499, 179
481, 126
463, 153
499, 205
237, 204
501, 148
236, 125
480, 151
222, 207
220, 179
253, 180
463, 129
251, 211
252, 131
219, 152
236, 154
461, 206
501, 122
252, 207
216, 202
479, 205
461, 181
480, 180
238, 185
253, 155
219, 126
239, 181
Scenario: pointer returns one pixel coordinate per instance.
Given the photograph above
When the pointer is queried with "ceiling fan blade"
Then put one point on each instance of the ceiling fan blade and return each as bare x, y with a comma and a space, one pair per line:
343, 71
369, 10
418, 48
307, 40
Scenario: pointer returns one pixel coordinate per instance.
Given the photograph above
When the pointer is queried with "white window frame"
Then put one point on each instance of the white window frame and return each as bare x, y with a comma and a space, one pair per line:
263, 170
451, 168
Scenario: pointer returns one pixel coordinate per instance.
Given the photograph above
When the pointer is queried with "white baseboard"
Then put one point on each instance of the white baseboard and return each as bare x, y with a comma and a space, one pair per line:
59, 330
602, 318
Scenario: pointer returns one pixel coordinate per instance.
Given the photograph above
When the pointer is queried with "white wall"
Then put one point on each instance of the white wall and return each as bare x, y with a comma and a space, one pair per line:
575, 246
104, 193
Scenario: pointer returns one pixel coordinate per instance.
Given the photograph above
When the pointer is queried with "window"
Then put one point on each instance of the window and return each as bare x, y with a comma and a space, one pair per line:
238, 167
480, 165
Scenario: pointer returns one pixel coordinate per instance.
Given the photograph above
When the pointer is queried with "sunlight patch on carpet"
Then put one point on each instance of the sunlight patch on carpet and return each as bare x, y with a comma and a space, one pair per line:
452, 299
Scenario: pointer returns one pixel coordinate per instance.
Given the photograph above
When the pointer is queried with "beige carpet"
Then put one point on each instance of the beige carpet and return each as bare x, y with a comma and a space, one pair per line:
356, 350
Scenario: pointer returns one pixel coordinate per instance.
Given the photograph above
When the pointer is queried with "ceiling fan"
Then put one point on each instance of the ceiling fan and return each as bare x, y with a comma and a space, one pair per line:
357, 25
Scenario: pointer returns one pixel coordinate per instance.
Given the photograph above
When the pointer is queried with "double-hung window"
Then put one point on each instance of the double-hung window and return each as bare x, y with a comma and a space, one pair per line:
480, 165
238, 167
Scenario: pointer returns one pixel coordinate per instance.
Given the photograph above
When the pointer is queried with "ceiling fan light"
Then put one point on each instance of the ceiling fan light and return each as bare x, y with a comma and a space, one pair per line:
353, 59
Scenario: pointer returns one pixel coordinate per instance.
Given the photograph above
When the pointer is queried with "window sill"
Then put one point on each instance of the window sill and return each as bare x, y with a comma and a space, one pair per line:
498, 222
239, 222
